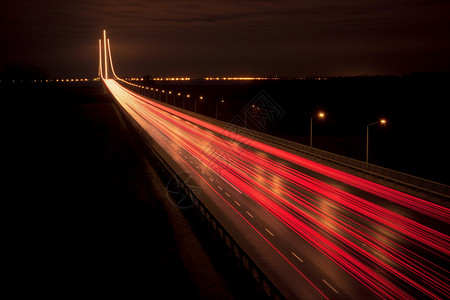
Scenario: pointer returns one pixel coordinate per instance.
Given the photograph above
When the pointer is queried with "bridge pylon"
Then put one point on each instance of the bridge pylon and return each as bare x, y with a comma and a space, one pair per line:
104, 54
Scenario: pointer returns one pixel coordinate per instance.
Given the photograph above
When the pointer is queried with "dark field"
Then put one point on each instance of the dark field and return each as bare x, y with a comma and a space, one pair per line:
87, 208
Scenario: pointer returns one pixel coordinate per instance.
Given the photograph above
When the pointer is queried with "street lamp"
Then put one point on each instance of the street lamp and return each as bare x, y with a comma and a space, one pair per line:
179, 94
245, 114
170, 93
221, 101
320, 115
187, 96
195, 103
382, 122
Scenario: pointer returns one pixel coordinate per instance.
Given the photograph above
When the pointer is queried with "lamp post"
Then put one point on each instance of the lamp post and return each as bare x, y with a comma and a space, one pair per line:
245, 115
187, 96
195, 103
382, 122
320, 115
217, 103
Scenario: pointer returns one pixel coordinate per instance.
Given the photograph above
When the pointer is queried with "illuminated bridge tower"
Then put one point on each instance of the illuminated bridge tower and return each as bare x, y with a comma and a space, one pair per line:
103, 61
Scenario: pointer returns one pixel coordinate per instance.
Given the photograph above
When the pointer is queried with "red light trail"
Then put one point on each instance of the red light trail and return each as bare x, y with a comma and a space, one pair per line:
391, 254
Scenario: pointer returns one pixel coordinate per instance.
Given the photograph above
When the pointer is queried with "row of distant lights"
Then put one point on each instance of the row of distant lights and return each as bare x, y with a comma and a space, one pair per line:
71, 80
56, 80
160, 79
207, 78
165, 79
215, 78
161, 90
239, 78
156, 90
188, 78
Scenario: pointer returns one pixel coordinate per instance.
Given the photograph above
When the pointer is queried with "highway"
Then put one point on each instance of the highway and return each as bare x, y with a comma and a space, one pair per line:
316, 232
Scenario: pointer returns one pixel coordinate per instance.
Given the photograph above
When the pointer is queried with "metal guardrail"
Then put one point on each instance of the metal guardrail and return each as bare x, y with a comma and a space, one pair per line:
407, 183
433, 191
243, 260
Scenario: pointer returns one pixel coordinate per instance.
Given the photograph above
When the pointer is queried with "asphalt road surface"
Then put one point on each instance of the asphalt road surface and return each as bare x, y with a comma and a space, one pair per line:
316, 232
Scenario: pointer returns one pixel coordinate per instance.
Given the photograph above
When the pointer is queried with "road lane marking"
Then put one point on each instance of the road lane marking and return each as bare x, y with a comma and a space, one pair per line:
203, 172
231, 184
220, 187
269, 231
237, 203
330, 286
211, 179
301, 260
227, 194
249, 214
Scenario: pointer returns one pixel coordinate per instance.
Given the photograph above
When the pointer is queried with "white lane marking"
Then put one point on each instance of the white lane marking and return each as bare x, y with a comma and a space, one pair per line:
269, 231
220, 187
237, 203
301, 260
227, 194
249, 214
211, 179
239, 191
203, 172
330, 286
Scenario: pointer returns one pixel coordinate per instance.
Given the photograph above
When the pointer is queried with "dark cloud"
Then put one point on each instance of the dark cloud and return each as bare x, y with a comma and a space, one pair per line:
192, 37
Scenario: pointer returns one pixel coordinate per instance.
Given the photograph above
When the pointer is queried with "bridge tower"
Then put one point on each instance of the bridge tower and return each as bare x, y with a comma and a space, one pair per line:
106, 60
103, 60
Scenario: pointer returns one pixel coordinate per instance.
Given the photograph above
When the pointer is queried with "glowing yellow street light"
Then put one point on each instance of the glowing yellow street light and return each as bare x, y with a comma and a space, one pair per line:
382, 122
195, 103
245, 114
320, 115
187, 96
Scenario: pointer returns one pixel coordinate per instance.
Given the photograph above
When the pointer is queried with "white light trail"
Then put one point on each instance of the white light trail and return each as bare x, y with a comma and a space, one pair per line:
106, 61
110, 60
100, 71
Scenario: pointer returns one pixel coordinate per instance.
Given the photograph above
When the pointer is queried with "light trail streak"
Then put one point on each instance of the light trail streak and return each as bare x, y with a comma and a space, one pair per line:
100, 71
110, 60
105, 51
244, 219
384, 250
409, 201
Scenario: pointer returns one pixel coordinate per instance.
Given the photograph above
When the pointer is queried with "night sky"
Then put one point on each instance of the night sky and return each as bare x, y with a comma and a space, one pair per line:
237, 38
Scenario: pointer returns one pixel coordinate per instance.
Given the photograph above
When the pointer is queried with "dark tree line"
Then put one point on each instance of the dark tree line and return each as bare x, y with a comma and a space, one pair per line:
22, 73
